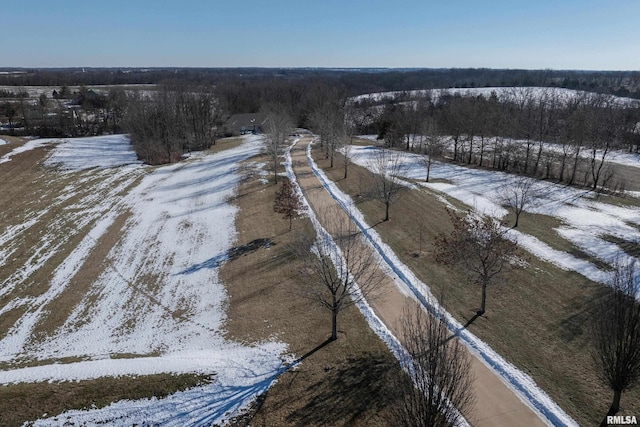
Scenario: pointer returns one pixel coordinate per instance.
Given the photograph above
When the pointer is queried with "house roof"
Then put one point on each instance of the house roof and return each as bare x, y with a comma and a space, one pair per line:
246, 121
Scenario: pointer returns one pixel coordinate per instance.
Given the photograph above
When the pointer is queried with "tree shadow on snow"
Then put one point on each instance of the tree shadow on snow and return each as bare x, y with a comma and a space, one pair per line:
207, 409
229, 255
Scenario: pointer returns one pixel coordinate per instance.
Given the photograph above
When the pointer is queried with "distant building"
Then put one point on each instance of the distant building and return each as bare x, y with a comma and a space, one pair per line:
241, 124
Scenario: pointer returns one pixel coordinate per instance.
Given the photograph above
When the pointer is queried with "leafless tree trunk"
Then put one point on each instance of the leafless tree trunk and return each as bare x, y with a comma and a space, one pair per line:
524, 100
576, 163
22, 96
346, 159
519, 195
564, 157
330, 122
202, 111
349, 128
440, 371
597, 163
545, 124
387, 169
344, 270
577, 122
497, 151
433, 146
480, 247
451, 117
616, 334
116, 106
278, 127
604, 128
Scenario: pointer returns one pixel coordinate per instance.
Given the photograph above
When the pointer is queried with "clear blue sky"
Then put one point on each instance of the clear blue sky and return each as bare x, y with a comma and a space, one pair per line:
556, 34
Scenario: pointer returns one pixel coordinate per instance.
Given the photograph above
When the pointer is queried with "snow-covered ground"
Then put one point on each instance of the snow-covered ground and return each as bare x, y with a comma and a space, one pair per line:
586, 221
621, 157
35, 91
30, 145
75, 154
3, 142
158, 298
84, 153
503, 94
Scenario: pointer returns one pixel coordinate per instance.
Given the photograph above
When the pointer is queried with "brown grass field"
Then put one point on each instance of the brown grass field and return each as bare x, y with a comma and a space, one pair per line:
352, 370
28, 187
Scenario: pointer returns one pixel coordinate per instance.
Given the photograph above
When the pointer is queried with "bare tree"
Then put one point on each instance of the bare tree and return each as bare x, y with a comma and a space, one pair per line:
279, 126
525, 100
338, 137
440, 370
545, 125
480, 246
577, 124
202, 111
152, 122
344, 269
319, 119
116, 105
519, 194
349, 128
346, 159
22, 95
433, 145
451, 116
616, 334
603, 129
166, 122
330, 122
287, 202
387, 169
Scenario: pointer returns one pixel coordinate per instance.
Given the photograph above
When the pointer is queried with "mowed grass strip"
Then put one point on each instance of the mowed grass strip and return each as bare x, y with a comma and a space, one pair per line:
345, 382
13, 141
57, 200
537, 317
79, 286
30, 191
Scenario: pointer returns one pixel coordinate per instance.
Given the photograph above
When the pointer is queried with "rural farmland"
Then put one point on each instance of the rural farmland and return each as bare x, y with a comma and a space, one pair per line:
165, 310
319, 247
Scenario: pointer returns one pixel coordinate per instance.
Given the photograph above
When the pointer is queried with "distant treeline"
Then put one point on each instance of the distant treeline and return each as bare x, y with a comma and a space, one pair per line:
536, 132
189, 106
354, 81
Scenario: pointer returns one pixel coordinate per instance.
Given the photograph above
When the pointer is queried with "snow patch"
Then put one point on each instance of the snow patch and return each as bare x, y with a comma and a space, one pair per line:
158, 298
107, 151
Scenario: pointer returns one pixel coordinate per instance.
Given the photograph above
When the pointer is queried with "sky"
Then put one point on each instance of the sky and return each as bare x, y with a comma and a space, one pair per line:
540, 34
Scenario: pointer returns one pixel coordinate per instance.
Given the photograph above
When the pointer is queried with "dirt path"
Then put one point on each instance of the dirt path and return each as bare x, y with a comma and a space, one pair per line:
496, 405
